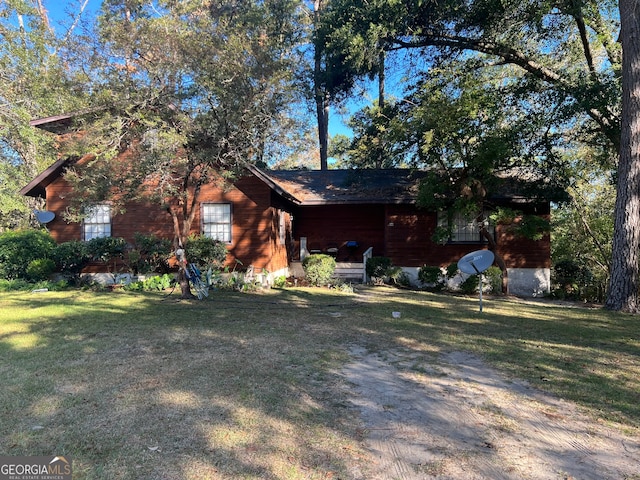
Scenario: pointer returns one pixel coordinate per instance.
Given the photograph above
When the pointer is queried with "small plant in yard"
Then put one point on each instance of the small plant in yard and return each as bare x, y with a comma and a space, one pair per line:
149, 253
70, 258
280, 282
469, 285
107, 250
381, 270
432, 277
40, 269
153, 283
26, 286
493, 277
319, 268
206, 252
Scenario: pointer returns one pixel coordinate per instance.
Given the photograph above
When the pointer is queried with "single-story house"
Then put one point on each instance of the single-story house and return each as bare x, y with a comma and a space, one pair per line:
272, 219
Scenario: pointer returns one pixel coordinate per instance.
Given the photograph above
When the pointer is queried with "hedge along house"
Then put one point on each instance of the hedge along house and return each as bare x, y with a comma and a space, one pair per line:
270, 220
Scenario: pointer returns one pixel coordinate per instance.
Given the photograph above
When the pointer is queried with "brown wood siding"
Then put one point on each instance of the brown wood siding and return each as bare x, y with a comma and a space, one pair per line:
408, 235
327, 226
409, 244
255, 239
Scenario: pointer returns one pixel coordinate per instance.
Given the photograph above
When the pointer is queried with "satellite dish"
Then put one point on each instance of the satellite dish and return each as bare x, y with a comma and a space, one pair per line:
475, 263
44, 216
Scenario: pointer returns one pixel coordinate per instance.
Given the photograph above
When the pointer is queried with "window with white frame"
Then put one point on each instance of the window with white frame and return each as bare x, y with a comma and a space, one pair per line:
464, 229
282, 227
216, 221
97, 222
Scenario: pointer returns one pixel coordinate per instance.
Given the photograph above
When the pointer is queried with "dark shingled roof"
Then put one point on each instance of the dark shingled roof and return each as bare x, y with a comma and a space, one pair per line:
319, 187
385, 186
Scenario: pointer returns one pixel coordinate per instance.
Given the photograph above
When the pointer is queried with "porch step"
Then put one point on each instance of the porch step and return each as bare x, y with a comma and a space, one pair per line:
348, 271
352, 271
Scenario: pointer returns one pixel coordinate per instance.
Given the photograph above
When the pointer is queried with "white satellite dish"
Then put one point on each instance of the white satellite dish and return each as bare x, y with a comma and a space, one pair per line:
475, 263
44, 216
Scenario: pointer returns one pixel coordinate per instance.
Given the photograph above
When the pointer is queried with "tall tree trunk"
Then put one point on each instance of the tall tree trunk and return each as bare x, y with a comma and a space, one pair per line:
623, 286
181, 256
320, 93
382, 133
381, 78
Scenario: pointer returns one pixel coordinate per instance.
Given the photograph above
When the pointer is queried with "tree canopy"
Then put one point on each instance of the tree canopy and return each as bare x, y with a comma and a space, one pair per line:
192, 108
34, 83
194, 89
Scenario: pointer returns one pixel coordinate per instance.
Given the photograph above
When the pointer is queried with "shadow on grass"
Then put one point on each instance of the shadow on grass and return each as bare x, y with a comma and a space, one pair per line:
142, 386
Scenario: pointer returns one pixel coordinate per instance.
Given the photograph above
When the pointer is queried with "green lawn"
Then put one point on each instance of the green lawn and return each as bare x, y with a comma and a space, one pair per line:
133, 385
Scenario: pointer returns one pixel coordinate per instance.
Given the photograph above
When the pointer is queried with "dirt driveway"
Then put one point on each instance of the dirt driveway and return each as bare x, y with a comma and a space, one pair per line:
460, 419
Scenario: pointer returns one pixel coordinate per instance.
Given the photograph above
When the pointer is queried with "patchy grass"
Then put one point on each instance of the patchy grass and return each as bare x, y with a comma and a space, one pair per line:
134, 385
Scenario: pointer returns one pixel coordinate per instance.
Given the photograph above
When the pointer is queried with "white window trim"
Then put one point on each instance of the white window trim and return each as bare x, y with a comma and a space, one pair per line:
228, 231
282, 227
92, 227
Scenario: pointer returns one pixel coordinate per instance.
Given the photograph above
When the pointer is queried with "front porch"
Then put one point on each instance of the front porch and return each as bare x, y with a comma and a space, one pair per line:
347, 271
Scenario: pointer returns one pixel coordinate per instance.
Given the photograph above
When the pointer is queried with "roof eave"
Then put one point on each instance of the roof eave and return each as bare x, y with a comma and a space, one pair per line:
261, 175
37, 186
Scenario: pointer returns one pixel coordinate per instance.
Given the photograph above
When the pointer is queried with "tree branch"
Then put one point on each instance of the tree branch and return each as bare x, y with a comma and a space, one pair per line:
605, 120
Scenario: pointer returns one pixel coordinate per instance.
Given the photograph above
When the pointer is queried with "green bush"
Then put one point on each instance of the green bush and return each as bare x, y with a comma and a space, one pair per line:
470, 285
570, 279
378, 267
493, 275
452, 270
40, 269
319, 268
206, 252
106, 249
71, 257
153, 283
23, 285
432, 277
149, 253
19, 248
280, 282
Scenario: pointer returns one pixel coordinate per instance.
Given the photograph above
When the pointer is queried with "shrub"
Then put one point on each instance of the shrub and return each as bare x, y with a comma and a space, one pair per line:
40, 269
570, 279
206, 252
149, 253
319, 268
452, 270
105, 249
153, 283
19, 248
470, 285
493, 275
378, 267
23, 285
280, 282
71, 257
432, 277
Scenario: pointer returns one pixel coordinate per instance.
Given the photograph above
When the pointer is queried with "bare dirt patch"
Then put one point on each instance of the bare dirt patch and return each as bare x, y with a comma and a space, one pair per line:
457, 418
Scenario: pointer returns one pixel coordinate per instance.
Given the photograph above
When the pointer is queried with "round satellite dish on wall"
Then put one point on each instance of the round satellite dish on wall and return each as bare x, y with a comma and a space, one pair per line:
476, 262
44, 216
